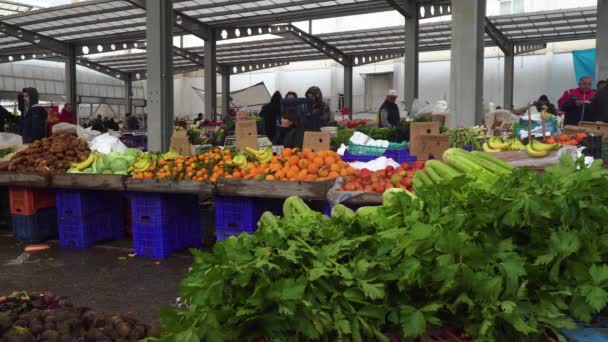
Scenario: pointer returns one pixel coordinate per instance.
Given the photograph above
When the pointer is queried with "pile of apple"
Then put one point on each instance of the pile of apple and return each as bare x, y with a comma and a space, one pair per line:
380, 181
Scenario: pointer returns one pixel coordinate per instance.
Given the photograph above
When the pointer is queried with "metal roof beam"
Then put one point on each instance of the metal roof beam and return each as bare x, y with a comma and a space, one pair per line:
249, 67
407, 8
108, 71
432, 10
34, 38
498, 37
323, 47
375, 57
183, 21
521, 48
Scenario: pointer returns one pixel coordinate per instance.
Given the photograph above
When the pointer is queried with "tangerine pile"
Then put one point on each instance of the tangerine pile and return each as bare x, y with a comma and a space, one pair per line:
207, 167
295, 165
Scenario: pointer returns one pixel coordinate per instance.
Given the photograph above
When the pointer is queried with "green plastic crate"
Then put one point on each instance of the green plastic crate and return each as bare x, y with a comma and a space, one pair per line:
605, 151
362, 150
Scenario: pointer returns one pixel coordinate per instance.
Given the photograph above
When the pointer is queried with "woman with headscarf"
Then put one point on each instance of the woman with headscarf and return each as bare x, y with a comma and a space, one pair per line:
389, 112
291, 132
319, 111
35, 118
271, 113
543, 101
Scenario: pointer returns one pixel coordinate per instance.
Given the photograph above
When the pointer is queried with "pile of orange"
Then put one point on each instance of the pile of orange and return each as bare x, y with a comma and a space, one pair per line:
294, 165
208, 167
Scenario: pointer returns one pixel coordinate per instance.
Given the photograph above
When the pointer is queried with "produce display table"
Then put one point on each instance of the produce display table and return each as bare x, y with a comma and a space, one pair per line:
30, 180
175, 187
89, 182
316, 191
368, 198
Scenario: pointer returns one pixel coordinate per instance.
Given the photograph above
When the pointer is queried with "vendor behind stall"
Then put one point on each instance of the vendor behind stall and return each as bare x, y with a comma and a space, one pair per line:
35, 119
291, 132
598, 109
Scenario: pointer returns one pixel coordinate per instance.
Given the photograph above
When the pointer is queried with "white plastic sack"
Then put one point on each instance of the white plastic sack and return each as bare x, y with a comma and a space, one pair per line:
551, 159
64, 126
86, 134
439, 107
377, 164
107, 143
359, 138
10, 140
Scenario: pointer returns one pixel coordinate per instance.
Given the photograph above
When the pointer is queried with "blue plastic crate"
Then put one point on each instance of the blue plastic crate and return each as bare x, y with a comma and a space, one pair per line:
349, 158
35, 228
583, 334
235, 215
85, 231
155, 209
400, 155
76, 203
155, 241
189, 233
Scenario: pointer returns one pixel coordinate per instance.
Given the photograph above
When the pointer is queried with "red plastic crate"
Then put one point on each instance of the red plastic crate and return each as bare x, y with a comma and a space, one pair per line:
27, 201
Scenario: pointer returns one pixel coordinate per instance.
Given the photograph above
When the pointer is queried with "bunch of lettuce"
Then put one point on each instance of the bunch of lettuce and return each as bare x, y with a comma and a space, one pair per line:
516, 261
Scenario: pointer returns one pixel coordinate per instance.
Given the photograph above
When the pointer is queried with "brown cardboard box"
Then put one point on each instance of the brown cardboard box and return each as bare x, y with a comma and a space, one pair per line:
180, 143
246, 134
596, 127
419, 130
317, 141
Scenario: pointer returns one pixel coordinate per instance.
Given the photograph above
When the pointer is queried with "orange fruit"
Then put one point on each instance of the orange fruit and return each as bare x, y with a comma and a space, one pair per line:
334, 167
270, 178
333, 174
303, 163
329, 161
293, 160
313, 168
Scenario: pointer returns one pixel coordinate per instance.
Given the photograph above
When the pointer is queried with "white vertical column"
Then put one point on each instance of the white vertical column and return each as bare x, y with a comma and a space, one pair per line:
159, 54
466, 83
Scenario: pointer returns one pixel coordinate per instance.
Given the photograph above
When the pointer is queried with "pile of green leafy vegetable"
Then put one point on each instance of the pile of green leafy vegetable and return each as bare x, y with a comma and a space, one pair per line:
514, 261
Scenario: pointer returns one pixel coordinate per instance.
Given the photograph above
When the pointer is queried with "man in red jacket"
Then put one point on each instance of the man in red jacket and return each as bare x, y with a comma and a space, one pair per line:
574, 102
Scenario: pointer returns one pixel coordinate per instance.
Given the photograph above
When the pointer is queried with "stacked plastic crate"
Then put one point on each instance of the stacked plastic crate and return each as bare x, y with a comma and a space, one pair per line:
88, 217
164, 223
236, 215
33, 214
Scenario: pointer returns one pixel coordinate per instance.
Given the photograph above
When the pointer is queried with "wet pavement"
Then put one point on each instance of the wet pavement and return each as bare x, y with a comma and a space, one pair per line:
103, 277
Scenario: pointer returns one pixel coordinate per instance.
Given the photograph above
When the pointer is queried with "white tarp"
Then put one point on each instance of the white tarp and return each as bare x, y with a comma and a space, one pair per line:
250, 98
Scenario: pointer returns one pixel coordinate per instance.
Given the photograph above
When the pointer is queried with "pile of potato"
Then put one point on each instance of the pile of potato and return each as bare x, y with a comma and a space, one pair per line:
51, 155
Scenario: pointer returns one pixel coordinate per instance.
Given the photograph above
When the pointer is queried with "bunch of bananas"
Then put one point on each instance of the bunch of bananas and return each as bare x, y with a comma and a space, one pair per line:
496, 144
78, 167
172, 154
143, 163
537, 149
239, 161
263, 156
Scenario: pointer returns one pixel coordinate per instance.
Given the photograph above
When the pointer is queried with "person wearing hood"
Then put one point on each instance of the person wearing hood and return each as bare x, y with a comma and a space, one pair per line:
319, 111
291, 132
389, 112
35, 118
291, 95
543, 101
271, 114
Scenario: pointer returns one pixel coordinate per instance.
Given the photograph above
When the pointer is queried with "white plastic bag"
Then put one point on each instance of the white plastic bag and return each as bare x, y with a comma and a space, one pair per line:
86, 134
64, 126
107, 143
377, 164
10, 140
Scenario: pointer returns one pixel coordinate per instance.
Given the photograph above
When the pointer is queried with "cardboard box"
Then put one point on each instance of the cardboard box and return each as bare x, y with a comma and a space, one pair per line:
596, 127
246, 134
317, 141
180, 143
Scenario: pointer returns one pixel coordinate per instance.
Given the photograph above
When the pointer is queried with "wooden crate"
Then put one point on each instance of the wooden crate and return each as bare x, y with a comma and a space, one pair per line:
88, 181
202, 189
28, 180
274, 189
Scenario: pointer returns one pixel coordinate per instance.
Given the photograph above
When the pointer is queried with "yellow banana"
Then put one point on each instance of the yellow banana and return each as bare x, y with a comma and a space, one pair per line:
497, 144
487, 148
535, 153
538, 146
83, 165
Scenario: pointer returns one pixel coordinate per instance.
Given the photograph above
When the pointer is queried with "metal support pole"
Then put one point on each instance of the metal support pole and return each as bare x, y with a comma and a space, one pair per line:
129, 93
466, 84
71, 95
410, 70
601, 44
348, 89
159, 50
509, 80
210, 78
226, 90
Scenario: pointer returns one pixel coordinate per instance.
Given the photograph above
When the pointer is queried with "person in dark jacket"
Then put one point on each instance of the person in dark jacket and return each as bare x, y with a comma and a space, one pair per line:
574, 102
20, 103
389, 112
291, 95
319, 111
132, 122
112, 124
543, 101
35, 118
97, 124
599, 106
291, 132
271, 113
5, 116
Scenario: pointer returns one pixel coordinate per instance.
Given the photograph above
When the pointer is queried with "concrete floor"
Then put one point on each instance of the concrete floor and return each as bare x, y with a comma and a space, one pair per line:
103, 277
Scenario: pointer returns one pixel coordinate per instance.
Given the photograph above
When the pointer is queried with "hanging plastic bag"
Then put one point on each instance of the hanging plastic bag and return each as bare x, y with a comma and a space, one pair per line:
107, 143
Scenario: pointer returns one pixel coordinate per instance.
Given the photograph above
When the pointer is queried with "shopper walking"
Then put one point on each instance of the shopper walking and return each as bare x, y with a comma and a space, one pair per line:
35, 118
543, 101
271, 114
319, 112
389, 112
291, 96
575, 102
